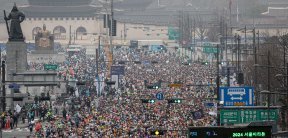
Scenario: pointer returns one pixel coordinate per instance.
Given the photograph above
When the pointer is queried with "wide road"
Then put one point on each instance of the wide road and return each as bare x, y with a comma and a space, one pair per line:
18, 133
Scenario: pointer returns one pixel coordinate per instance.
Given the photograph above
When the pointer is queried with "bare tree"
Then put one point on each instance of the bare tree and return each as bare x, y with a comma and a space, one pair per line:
201, 26
276, 66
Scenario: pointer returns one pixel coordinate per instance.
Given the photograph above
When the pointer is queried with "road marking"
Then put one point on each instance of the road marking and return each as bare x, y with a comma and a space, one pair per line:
250, 96
7, 130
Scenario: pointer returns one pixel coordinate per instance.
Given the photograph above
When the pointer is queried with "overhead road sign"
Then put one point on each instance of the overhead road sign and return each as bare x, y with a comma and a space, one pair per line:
237, 96
50, 67
242, 116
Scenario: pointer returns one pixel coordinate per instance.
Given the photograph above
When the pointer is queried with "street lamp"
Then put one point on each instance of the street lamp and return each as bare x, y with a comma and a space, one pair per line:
269, 99
286, 89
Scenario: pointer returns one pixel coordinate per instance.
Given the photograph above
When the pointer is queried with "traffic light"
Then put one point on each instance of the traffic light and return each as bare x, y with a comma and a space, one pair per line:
157, 132
80, 83
106, 20
16, 91
240, 78
137, 62
148, 100
121, 62
114, 28
44, 98
152, 87
174, 101
154, 62
113, 31
110, 82
205, 63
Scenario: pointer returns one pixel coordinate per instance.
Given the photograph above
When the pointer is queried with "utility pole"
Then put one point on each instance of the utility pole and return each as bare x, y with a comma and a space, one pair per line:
97, 65
70, 37
218, 78
255, 68
286, 96
194, 38
111, 29
237, 41
228, 76
3, 86
268, 73
245, 29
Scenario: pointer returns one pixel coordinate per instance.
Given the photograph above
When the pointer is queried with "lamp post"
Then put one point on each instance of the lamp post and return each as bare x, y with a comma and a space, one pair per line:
286, 89
3, 86
268, 83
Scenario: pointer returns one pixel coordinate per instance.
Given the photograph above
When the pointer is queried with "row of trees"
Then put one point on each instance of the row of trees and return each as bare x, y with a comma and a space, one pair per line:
194, 26
276, 62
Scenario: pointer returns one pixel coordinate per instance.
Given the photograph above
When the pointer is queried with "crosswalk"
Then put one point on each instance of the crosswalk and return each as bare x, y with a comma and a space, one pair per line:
16, 130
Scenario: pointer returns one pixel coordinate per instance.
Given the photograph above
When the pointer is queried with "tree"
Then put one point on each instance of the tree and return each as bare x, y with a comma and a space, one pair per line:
201, 26
276, 66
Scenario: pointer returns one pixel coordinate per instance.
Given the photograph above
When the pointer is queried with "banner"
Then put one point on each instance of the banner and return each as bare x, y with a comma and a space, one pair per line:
198, 114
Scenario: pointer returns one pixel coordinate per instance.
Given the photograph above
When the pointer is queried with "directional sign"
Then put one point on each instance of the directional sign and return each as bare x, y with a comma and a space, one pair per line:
117, 70
239, 116
14, 86
50, 67
208, 49
160, 96
173, 33
237, 96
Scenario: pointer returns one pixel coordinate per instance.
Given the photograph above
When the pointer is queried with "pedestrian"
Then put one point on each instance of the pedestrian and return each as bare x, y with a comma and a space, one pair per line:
30, 127
7, 122
15, 118
64, 113
11, 122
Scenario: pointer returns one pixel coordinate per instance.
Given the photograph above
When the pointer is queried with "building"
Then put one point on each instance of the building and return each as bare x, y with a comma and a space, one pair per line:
277, 8
80, 22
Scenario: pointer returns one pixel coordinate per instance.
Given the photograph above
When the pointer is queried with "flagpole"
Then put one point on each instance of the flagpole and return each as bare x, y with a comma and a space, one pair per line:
237, 12
230, 12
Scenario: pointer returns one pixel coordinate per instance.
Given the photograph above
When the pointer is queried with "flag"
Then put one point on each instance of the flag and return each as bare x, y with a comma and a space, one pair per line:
18, 108
76, 92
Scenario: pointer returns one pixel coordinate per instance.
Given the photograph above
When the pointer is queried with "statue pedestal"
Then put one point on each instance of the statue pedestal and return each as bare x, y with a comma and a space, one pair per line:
44, 50
16, 58
45, 58
16, 62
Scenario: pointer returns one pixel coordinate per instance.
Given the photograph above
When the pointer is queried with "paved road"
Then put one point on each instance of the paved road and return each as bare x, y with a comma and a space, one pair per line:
18, 133
21, 132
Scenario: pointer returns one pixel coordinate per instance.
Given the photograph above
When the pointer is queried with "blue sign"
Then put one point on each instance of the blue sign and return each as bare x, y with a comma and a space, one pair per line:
14, 86
209, 104
117, 70
237, 96
160, 96
146, 62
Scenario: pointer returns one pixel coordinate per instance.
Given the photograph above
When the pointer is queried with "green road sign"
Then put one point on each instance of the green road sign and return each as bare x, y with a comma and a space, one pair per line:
50, 67
209, 49
207, 44
236, 116
173, 33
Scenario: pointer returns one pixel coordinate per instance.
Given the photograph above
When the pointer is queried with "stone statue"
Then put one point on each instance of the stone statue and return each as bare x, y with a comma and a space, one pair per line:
15, 31
44, 38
